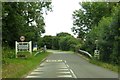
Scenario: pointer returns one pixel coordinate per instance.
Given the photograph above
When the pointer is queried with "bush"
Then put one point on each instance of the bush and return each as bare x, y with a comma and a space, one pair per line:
8, 53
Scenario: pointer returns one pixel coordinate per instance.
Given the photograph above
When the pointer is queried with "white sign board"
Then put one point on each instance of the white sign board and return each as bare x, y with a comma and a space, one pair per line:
97, 54
23, 46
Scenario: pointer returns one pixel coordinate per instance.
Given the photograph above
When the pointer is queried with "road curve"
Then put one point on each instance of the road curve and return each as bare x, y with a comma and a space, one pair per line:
69, 65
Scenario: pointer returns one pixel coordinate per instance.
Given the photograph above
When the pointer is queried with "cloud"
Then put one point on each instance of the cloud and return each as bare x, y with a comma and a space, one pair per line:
60, 20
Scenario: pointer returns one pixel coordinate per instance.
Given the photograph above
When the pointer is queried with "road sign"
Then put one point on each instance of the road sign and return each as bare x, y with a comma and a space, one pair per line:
97, 54
22, 38
23, 47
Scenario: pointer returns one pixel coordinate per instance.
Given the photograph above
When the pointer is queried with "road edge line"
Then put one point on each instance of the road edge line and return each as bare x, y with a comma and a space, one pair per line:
73, 73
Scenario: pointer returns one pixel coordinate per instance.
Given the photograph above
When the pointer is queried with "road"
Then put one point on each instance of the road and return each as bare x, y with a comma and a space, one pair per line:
69, 65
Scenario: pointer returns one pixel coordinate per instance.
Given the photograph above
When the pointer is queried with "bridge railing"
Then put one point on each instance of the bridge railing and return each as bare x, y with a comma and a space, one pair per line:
85, 53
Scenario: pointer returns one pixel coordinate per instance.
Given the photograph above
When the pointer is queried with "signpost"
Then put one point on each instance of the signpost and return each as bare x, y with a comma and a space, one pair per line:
97, 54
22, 38
23, 46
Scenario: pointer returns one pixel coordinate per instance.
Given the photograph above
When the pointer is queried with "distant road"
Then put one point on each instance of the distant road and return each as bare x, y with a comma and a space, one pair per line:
69, 65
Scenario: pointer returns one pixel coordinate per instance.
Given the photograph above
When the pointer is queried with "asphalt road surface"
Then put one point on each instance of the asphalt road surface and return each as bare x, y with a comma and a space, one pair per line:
69, 65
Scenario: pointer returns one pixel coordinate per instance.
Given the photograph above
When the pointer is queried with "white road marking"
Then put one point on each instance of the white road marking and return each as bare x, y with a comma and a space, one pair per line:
65, 61
42, 64
73, 73
33, 77
53, 60
36, 73
67, 66
64, 72
38, 70
63, 69
59, 60
70, 70
65, 76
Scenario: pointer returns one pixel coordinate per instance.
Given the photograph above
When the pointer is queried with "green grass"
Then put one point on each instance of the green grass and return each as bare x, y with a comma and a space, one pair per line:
101, 64
18, 67
105, 65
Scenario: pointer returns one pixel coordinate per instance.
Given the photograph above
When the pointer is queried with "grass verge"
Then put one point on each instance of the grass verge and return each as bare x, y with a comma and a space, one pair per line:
18, 67
105, 65
101, 64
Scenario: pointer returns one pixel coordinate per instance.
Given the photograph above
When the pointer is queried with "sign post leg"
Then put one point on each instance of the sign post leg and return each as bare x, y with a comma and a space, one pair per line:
16, 50
30, 47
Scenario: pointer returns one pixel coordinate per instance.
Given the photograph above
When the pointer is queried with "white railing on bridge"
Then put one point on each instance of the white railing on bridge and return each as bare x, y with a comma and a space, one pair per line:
85, 52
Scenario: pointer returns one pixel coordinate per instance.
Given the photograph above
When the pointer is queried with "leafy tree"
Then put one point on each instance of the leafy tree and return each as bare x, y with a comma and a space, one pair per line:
67, 41
63, 34
40, 42
91, 25
89, 15
55, 43
18, 18
48, 41
64, 45
115, 29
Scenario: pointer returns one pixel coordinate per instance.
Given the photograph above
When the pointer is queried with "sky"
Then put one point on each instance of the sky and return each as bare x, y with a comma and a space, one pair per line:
60, 19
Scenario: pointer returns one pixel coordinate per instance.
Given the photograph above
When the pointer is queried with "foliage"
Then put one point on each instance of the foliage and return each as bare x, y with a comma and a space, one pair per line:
62, 41
48, 40
67, 41
105, 65
63, 34
55, 43
40, 42
89, 15
18, 68
101, 21
23, 18
8, 53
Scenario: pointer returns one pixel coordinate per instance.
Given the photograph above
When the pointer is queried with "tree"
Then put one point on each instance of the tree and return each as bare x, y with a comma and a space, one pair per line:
101, 27
67, 41
48, 41
55, 43
63, 34
89, 15
23, 18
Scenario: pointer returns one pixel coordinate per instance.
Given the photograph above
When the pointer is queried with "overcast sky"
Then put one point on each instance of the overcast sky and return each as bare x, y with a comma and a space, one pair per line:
60, 20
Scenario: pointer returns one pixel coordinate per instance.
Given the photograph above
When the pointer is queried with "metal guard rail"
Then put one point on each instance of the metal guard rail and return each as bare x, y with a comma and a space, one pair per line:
85, 52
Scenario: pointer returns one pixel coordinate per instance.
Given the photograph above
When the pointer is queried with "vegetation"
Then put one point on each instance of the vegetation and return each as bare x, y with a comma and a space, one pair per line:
17, 67
105, 65
97, 25
62, 41
23, 19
